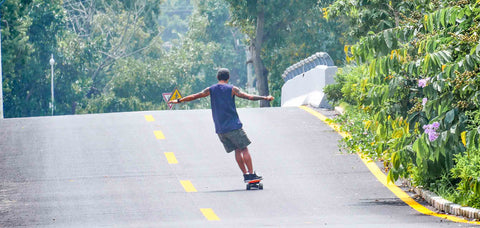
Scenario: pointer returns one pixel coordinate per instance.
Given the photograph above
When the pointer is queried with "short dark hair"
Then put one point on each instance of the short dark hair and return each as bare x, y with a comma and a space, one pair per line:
223, 74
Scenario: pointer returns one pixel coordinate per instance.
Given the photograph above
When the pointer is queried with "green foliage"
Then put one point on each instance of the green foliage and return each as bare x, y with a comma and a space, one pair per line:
467, 169
140, 49
29, 34
174, 18
111, 57
111, 103
366, 16
230, 52
360, 139
421, 72
349, 86
293, 30
306, 34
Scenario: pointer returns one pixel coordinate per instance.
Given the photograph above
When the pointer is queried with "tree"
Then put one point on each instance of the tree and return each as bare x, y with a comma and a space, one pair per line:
113, 30
101, 35
174, 18
30, 29
273, 28
231, 53
364, 16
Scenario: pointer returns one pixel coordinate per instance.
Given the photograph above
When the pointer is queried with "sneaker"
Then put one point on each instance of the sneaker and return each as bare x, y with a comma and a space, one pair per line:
254, 176
246, 178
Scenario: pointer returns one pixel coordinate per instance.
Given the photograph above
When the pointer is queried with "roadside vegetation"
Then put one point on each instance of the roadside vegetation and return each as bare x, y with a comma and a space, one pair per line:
411, 91
121, 55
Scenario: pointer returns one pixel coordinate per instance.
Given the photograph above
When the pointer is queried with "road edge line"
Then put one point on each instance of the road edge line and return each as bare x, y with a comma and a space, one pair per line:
375, 170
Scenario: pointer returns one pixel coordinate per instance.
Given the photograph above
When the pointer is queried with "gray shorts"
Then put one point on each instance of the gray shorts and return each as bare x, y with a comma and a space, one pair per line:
233, 140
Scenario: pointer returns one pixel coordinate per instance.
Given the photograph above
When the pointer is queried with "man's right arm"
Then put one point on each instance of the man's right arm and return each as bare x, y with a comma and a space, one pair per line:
204, 93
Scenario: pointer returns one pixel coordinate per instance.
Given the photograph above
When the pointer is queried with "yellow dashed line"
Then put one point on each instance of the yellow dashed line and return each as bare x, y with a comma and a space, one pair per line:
209, 214
171, 158
159, 134
383, 178
149, 118
188, 186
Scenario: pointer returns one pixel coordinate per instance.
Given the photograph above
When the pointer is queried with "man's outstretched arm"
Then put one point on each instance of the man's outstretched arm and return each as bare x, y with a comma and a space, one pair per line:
204, 93
238, 93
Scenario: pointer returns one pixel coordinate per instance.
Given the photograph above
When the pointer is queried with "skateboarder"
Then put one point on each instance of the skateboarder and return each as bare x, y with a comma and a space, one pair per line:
227, 123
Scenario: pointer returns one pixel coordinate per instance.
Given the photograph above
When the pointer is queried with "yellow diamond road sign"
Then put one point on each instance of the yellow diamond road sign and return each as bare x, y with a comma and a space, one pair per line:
175, 95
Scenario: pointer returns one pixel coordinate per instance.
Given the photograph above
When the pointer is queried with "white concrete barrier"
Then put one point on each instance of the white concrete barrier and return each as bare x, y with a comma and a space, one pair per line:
307, 88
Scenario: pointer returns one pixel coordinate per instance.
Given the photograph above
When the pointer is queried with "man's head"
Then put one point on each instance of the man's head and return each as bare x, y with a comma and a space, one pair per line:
223, 74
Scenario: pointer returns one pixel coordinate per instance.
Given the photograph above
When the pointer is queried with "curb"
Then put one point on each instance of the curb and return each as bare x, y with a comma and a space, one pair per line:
446, 206
436, 201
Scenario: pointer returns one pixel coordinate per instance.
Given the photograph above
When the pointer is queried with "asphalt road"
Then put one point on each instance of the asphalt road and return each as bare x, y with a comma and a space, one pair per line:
112, 170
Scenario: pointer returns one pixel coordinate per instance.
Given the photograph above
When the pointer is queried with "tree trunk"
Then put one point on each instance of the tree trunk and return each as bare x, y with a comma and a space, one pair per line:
261, 72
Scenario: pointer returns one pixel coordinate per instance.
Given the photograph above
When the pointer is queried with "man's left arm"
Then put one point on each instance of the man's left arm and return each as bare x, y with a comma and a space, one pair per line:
237, 92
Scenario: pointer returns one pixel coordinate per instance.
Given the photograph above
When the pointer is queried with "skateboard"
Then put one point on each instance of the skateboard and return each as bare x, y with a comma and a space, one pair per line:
254, 184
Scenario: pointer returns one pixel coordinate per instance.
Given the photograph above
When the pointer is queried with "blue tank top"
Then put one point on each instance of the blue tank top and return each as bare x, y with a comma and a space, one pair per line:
224, 111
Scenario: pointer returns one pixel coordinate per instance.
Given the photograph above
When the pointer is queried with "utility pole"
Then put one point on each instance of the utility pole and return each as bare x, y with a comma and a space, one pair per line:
52, 62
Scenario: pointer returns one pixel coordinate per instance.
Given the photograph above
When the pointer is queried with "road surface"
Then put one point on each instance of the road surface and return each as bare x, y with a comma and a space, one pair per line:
168, 169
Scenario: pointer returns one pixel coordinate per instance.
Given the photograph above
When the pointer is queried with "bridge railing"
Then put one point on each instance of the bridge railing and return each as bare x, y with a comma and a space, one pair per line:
319, 58
305, 80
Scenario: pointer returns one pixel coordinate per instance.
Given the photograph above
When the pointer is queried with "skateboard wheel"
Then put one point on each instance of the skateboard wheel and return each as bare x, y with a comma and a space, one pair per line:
248, 187
260, 186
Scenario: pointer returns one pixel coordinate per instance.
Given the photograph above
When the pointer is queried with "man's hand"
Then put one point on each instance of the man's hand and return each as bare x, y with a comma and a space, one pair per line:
174, 101
269, 98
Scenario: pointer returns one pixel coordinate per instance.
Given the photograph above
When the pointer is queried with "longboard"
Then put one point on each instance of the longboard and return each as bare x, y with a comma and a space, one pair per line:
254, 184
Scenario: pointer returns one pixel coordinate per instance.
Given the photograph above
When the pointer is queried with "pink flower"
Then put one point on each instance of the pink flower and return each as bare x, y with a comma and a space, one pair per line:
433, 136
424, 101
431, 131
422, 83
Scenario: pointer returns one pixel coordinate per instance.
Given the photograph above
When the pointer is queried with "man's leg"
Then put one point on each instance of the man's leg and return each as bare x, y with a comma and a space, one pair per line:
244, 160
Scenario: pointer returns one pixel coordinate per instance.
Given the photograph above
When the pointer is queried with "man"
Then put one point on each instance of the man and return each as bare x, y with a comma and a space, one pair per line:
227, 123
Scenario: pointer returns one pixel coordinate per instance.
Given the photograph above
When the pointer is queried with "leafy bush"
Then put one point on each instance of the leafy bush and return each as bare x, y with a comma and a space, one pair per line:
468, 171
349, 86
359, 139
415, 94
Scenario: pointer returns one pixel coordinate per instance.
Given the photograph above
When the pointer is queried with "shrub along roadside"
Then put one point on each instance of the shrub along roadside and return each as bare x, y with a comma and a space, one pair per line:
414, 94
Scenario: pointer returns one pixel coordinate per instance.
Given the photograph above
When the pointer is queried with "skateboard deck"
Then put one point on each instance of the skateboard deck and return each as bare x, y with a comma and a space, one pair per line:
254, 184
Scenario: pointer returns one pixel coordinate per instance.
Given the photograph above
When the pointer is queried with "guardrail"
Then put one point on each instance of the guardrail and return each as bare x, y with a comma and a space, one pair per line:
319, 58
305, 80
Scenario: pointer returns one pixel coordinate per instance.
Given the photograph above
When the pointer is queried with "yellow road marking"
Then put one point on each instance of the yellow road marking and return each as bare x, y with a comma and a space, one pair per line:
159, 134
324, 119
149, 118
171, 158
383, 178
209, 214
188, 186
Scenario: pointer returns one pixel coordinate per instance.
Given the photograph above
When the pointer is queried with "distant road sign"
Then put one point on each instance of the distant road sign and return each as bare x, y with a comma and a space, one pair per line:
175, 95
166, 98
171, 96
